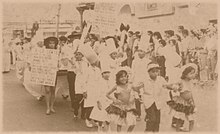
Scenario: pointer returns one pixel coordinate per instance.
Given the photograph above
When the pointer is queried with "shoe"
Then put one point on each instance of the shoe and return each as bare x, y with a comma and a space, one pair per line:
65, 97
75, 116
40, 98
52, 110
88, 123
99, 129
138, 118
182, 129
173, 125
48, 112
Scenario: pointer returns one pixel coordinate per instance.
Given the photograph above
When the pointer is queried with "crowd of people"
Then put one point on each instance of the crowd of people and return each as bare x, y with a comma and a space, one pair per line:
110, 78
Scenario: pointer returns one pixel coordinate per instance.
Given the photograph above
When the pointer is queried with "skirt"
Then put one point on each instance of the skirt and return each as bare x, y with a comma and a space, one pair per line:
122, 116
99, 115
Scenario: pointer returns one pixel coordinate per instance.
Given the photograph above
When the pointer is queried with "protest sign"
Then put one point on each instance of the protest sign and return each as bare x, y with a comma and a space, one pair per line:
44, 66
104, 19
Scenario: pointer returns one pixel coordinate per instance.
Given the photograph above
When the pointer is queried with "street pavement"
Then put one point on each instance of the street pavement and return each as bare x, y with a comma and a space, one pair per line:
23, 113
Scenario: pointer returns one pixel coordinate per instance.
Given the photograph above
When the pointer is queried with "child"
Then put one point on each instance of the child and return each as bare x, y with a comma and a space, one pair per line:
99, 113
152, 97
122, 110
80, 69
139, 66
184, 105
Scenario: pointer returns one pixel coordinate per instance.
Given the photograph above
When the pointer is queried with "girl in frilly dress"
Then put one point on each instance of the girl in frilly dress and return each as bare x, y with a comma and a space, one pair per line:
122, 110
183, 105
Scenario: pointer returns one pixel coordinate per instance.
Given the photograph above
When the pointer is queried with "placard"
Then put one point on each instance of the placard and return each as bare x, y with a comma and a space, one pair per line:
44, 64
104, 20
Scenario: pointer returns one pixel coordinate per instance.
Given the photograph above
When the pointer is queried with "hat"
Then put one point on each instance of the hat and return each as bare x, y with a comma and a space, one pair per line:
143, 47
152, 65
77, 43
88, 52
105, 68
47, 41
189, 65
111, 46
38, 37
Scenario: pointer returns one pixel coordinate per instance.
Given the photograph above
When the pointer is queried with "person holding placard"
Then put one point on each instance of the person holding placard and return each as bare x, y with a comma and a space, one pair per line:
50, 43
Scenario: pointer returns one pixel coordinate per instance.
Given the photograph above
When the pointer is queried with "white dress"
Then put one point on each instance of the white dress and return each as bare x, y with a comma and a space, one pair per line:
92, 86
171, 63
102, 115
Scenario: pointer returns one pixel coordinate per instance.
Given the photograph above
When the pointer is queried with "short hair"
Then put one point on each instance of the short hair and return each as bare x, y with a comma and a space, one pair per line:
185, 31
63, 38
163, 42
130, 32
181, 27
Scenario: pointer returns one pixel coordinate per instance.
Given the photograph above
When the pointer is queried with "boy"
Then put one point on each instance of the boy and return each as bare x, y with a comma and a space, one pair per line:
152, 97
80, 68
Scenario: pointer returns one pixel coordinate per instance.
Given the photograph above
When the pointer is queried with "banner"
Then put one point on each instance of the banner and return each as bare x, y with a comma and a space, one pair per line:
104, 19
44, 63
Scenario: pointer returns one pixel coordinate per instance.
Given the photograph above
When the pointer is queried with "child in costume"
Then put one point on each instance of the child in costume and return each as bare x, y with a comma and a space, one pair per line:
122, 110
99, 113
183, 106
153, 97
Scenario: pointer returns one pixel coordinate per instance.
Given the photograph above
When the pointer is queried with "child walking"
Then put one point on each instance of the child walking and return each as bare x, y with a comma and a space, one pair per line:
122, 110
183, 105
99, 113
153, 96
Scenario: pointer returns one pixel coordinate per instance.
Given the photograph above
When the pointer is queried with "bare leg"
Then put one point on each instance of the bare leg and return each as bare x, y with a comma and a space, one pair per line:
47, 98
118, 128
191, 125
52, 99
130, 128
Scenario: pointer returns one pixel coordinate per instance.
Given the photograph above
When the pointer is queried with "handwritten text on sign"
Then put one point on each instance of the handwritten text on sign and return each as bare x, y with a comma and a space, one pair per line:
44, 67
104, 19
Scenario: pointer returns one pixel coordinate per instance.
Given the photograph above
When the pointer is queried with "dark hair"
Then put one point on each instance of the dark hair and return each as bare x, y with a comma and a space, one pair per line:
163, 42
186, 72
130, 32
178, 37
157, 34
186, 32
119, 75
47, 42
63, 38
93, 36
150, 32
173, 41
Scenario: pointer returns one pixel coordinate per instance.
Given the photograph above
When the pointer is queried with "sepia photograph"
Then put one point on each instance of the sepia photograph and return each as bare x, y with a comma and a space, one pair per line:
109, 66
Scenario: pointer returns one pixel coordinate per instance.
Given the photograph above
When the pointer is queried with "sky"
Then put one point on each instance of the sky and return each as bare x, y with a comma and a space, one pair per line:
31, 12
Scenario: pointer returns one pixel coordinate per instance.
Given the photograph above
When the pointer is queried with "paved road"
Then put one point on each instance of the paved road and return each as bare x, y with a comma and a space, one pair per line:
22, 112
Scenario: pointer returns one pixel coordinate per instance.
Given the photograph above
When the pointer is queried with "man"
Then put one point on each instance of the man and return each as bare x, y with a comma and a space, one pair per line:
71, 75
185, 46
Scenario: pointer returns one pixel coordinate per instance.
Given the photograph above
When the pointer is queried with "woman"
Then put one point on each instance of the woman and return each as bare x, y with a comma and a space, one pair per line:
50, 43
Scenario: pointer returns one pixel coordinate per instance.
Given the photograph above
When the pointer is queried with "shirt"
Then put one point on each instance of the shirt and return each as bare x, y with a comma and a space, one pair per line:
154, 92
81, 74
70, 50
185, 44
